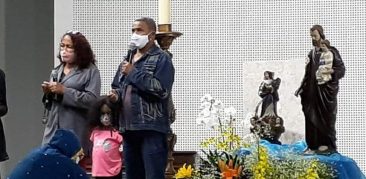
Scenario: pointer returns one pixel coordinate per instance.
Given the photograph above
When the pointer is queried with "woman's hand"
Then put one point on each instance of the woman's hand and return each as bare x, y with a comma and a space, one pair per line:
46, 87
56, 88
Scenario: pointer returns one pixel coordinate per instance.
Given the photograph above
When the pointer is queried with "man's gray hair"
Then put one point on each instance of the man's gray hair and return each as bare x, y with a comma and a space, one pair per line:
149, 21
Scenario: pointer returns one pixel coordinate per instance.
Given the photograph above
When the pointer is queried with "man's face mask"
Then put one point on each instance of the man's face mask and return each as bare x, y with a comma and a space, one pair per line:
139, 41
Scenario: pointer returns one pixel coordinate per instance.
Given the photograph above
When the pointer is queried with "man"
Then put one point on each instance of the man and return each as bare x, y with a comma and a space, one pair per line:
142, 86
3, 110
319, 101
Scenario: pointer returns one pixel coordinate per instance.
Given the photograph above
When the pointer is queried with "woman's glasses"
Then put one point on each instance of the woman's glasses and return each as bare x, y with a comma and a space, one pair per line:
66, 47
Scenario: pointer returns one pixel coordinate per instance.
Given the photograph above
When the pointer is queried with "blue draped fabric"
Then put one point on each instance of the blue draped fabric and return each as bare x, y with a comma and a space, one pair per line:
346, 168
53, 160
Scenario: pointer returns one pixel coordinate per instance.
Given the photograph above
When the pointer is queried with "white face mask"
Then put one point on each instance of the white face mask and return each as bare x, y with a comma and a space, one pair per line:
139, 41
105, 119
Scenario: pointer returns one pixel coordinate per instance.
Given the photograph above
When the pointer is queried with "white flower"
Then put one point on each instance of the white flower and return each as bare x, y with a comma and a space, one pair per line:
218, 105
206, 98
205, 104
213, 113
207, 118
251, 138
212, 122
201, 120
230, 111
205, 113
246, 122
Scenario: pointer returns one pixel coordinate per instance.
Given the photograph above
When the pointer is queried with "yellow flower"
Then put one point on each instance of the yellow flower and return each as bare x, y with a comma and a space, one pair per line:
311, 171
184, 172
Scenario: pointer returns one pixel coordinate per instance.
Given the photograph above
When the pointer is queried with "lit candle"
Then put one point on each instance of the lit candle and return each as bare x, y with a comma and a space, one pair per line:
164, 11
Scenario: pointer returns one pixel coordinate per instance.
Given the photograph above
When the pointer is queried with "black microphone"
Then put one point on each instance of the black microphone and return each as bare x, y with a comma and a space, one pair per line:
131, 47
54, 76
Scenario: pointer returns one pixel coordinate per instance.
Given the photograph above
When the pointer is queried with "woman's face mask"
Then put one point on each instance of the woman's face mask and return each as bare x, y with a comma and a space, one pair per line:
139, 41
67, 51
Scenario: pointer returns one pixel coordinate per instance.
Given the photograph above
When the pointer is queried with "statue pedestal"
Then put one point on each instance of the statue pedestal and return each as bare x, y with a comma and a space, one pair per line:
184, 157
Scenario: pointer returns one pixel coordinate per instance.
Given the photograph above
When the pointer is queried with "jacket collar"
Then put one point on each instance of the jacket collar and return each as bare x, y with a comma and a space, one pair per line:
154, 50
73, 72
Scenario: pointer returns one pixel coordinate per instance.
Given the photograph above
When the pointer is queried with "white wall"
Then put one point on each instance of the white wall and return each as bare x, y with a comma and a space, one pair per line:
220, 37
63, 22
26, 54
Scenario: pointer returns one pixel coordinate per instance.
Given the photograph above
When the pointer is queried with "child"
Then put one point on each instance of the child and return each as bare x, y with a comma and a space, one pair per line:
323, 74
106, 154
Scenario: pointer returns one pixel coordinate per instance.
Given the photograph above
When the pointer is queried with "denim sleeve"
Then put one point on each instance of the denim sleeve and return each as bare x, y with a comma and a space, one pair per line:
116, 83
159, 83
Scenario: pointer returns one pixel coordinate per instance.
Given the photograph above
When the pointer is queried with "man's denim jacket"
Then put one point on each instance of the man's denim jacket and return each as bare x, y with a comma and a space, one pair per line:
151, 79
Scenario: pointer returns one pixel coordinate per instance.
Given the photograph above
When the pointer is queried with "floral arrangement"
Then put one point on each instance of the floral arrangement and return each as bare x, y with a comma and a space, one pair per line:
229, 156
215, 116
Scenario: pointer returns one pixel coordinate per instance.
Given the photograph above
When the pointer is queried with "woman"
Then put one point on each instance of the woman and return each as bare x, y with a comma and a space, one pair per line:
74, 86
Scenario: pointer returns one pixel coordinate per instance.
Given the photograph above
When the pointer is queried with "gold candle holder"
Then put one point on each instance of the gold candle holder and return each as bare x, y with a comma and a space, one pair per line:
165, 36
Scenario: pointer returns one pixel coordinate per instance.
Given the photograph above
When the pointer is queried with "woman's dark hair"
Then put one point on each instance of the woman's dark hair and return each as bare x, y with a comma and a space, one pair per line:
96, 112
84, 55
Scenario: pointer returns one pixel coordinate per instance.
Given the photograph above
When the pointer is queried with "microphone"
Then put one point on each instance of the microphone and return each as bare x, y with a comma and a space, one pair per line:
54, 76
131, 47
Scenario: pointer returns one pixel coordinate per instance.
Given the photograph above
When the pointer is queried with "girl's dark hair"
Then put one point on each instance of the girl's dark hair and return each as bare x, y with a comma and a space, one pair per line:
96, 112
84, 55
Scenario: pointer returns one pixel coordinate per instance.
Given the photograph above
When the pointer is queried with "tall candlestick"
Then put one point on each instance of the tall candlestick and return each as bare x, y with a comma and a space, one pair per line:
164, 11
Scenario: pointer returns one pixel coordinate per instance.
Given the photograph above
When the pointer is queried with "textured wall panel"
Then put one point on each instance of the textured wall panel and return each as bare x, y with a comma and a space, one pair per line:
221, 36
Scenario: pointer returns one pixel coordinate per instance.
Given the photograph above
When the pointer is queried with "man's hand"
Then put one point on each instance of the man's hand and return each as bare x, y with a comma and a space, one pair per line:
113, 95
126, 68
